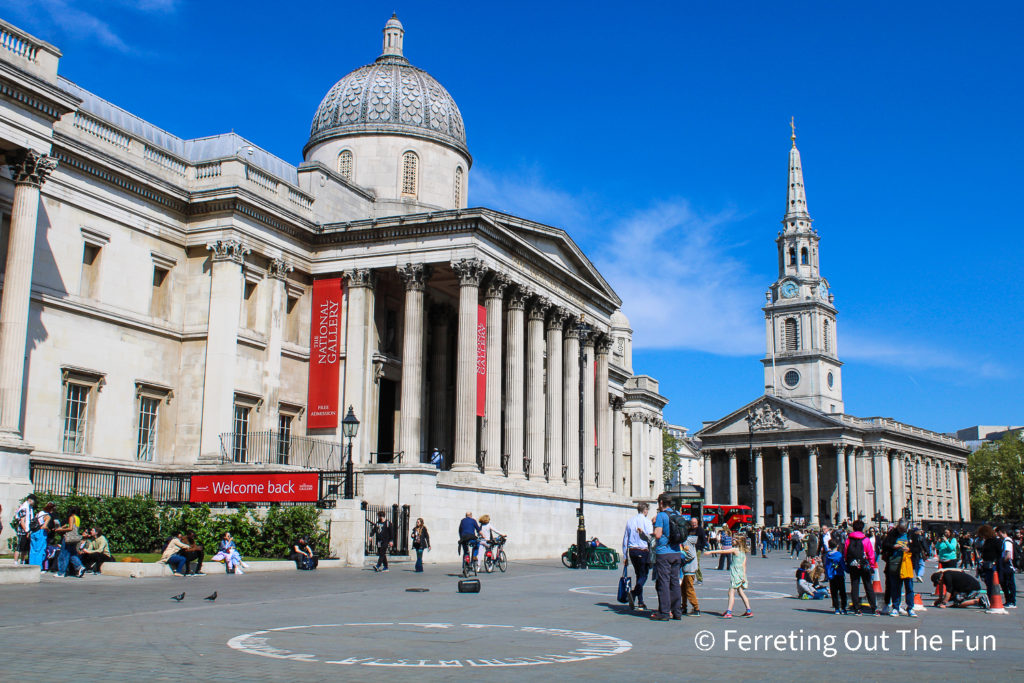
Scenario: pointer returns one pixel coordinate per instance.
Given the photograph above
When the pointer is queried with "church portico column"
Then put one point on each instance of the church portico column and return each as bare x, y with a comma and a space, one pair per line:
841, 505
605, 468
851, 473
708, 479
896, 485
863, 476
571, 406
553, 405
514, 363
469, 272
221, 342
29, 171
963, 491
734, 493
877, 466
493, 300
358, 355
535, 409
812, 484
758, 487
617, 429
787, 487
410, 432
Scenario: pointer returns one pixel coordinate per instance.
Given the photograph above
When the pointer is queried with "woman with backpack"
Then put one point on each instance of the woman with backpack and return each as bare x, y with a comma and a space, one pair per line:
859, 556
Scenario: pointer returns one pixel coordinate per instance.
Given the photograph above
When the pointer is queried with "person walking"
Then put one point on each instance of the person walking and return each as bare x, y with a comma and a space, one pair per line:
420, 542
835, 570
636, 550
691, 566
667, 563
1006, 570
795, 544
725, 541
737, 575
384, 536
702, 545
859, 557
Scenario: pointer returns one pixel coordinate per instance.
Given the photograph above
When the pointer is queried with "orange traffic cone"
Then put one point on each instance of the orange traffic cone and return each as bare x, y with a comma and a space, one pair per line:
996, 597
877, 586
918, 605
940, 590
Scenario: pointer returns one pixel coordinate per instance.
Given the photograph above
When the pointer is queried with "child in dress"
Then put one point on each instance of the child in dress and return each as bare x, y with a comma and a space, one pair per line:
737, 574
228, 553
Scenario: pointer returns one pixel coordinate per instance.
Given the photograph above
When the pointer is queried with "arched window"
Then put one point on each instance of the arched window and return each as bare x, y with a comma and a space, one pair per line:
826, 333
458, 187
803, 256
791, 339
345, 164
410, 164
792, 256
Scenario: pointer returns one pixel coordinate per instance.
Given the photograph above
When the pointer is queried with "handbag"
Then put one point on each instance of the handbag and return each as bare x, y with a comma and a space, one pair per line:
907, 567
625, 586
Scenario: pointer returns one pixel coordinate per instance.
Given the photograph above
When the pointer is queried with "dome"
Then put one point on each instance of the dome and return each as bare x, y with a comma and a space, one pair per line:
619, 319
390, 96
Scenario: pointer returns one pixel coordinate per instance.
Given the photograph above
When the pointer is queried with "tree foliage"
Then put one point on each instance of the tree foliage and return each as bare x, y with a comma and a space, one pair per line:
996, 473
670, 455
140, 524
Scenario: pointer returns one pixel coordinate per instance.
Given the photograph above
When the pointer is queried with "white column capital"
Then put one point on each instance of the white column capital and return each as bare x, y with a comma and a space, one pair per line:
228, 250
29, 167
415, 275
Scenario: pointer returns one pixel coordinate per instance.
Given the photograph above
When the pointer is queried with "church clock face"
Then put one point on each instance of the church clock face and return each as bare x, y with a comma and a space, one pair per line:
823, 291
788, 289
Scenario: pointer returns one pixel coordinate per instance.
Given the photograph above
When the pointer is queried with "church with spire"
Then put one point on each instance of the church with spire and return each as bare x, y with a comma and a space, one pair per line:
793, 455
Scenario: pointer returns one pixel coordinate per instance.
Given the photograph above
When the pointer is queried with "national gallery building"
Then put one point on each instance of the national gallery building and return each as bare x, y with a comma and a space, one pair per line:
794, 454
177, 306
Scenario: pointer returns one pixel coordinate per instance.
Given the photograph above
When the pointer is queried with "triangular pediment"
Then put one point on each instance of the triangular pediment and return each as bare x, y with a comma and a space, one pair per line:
767, 414
554, 245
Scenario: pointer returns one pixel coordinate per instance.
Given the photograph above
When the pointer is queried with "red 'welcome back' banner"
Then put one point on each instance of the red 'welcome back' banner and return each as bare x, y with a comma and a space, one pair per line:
300, 487
324, 350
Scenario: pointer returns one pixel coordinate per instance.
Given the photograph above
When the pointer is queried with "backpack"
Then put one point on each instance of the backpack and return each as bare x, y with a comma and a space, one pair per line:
855, 556
676, 528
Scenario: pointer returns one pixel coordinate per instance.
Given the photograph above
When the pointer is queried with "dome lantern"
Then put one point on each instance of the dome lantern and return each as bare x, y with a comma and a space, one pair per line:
394, 34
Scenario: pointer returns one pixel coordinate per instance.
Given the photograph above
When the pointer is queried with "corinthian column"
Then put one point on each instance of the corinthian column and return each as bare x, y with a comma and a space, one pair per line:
605, 470
410, 431
617, 428
787, 491
734, 492
589, 434
758, 487
440, 318
493, 296
841, 504
358, 357
553, 405
535, 386
895, 485
514, 350
812, 483
470, 272
29, 170
221, 342
571, 404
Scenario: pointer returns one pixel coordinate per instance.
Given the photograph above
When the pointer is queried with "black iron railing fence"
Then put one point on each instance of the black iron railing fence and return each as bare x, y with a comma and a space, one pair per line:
271, 448
169, 488
399, 518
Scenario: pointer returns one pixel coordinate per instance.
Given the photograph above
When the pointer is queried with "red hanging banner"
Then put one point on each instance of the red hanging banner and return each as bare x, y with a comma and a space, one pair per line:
324, 349
481, 360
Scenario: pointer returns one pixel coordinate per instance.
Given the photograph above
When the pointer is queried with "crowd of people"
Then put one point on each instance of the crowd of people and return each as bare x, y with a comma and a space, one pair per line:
61, 547
834, 562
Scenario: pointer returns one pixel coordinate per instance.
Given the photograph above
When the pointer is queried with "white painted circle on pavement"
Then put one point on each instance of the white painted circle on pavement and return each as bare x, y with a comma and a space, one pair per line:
375, 644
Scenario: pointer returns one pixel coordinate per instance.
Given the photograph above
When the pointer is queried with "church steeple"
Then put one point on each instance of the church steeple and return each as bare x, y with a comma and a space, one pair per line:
796, 199
394, 36
802, 359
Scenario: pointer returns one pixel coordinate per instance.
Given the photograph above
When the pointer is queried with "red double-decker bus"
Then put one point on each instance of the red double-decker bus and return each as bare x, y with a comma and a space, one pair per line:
731, 516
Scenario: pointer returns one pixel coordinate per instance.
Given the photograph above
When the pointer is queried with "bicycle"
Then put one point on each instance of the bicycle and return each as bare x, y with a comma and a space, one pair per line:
495, 556
468, 558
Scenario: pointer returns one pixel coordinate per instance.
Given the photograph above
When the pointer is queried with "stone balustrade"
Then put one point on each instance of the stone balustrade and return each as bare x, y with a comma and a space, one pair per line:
31, 54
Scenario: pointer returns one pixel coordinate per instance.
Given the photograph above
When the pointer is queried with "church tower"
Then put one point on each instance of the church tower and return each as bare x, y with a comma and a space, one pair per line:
802, 361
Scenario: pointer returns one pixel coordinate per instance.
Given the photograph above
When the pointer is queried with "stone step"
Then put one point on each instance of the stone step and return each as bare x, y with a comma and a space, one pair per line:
18, 573
150, 570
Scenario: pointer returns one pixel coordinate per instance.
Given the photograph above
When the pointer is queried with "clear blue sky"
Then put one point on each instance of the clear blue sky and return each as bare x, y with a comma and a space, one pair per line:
657, 135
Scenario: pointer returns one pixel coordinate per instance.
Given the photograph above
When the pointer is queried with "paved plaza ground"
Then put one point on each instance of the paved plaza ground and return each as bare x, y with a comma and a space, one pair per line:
537, 619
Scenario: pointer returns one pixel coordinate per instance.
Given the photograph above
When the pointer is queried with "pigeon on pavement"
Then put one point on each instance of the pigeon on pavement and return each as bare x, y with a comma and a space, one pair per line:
179, 597
212, 597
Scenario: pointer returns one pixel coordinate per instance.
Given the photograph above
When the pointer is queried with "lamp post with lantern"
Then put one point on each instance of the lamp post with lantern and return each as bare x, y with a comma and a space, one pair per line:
349, 428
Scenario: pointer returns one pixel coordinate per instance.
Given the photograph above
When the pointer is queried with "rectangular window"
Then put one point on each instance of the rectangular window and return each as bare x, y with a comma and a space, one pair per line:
76, 411
149, 409
240, 433
89, 285
284, 438
158, 302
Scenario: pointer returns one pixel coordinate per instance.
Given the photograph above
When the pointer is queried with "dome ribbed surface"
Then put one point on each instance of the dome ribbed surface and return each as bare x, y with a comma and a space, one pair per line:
389, 96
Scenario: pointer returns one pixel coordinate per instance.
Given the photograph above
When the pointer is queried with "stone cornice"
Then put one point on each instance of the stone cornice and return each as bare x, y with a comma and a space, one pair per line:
34, 93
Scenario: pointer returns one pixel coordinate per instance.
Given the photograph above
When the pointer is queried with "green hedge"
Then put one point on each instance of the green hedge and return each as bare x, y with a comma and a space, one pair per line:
141, 525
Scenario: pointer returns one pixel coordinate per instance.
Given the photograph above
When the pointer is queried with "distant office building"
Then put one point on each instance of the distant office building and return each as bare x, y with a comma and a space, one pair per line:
975, 436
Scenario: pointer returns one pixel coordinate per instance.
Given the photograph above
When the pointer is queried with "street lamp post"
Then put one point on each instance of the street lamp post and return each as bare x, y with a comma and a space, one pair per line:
909, 483
581, 528
349, 428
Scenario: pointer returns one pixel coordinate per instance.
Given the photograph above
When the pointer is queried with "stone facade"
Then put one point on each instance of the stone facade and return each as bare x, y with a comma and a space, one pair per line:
793, 454
157, 294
